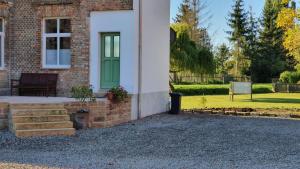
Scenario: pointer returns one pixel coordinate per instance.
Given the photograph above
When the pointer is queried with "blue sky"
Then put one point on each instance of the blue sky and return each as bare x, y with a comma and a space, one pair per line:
219, 10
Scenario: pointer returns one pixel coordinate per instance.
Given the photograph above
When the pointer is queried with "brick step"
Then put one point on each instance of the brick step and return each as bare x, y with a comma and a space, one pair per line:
39, 119
45, 132
38, 112
37, 106
45, 125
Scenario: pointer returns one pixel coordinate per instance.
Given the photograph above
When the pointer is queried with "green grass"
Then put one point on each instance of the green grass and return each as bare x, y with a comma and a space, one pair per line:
192, 90
260, 101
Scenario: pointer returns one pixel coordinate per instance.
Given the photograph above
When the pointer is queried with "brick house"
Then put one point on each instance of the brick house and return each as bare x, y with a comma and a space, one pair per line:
103, 43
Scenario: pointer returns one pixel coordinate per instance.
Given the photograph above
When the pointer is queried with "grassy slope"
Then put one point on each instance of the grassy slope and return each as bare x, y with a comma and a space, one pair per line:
263, 101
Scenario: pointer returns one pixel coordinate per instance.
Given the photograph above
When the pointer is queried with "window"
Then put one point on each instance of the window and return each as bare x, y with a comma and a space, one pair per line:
2, 34
57, 43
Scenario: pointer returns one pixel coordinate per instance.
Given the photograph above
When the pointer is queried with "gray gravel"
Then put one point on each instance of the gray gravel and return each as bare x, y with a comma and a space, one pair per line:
162, 142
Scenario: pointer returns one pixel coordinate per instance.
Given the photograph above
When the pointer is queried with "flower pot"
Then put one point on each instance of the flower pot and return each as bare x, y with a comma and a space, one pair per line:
81, 119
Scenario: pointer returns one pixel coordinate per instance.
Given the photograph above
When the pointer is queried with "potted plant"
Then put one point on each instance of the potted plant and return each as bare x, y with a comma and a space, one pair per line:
117, 94
85, 95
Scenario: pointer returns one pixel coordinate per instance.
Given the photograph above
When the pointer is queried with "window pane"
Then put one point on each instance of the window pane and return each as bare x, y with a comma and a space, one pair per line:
107, 46
65, 51
1, 25
65, 26
117, 46
51, 25
51, 51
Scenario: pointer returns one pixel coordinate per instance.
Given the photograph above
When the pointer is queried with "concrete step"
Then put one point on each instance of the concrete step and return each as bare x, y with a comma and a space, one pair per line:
39, 119
38, 112
32, 106
44, 125
45, 132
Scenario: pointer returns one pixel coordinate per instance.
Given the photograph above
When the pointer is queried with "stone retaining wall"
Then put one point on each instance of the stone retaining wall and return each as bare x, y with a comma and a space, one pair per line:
103, 113
273, 113
3, 115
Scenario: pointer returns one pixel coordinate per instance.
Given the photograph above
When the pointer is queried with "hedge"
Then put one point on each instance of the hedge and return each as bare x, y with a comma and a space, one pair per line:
193, 90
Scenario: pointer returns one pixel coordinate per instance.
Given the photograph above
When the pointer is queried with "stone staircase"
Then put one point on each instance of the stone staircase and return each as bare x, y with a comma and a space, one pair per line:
30, 120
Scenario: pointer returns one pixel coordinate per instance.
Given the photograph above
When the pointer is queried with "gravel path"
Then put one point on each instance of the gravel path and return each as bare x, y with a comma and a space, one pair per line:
163, 142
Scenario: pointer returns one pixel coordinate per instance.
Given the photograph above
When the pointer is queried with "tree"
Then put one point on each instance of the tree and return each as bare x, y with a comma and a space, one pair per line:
221, 57
287, 21
189, 13
183, 50
238, 23
271, 59
251, 47
187, 56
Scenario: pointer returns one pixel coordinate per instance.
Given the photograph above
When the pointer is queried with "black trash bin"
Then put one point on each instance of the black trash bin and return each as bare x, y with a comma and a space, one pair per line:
175, 103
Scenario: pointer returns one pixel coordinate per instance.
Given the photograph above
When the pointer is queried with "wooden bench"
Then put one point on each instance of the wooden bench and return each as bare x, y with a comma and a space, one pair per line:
35, 84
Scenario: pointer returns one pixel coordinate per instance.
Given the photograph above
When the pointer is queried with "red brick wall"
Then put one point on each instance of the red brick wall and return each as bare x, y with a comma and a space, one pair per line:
24, 43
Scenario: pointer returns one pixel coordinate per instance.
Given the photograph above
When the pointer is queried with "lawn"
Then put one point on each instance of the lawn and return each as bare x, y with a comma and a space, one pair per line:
260, 101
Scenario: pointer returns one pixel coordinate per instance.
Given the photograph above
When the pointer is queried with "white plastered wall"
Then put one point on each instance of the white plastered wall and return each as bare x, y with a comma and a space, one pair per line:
154, 52
155, 26
115, 21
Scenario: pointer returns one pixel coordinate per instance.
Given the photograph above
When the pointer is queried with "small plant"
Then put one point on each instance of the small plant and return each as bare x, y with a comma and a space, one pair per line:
117, 94
203, 101
83, 93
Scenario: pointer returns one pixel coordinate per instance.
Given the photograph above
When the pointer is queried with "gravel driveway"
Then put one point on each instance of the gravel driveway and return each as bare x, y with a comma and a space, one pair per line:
162, 142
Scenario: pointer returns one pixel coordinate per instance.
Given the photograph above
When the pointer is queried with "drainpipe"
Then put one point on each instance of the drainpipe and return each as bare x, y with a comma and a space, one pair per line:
139, 97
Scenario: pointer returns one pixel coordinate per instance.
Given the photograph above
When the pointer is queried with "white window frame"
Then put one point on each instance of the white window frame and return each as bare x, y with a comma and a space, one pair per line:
2, 34
58, 36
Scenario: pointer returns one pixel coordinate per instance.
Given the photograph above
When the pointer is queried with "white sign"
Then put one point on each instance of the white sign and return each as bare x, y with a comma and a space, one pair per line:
240, 88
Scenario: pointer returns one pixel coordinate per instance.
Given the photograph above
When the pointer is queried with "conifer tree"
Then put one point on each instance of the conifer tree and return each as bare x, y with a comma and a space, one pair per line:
237, 36
251, 46
221, 57
273, 54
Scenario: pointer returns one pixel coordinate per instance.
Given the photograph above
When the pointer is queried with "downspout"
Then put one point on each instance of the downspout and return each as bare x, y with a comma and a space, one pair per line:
139, 97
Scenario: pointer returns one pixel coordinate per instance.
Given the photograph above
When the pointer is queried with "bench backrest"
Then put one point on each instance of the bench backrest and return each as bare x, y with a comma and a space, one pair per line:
38, 79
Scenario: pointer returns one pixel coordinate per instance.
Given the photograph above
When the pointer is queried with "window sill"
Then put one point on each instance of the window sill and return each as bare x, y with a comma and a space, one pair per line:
56, 67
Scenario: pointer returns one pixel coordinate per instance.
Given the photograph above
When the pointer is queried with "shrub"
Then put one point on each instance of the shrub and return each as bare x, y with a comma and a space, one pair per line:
262, 88
193, 90
83, 94
290, 77
214, 81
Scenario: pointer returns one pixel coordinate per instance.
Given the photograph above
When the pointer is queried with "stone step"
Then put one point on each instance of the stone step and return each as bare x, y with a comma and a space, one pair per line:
45, 125
36, 106
39, 119
45, 132
38, 112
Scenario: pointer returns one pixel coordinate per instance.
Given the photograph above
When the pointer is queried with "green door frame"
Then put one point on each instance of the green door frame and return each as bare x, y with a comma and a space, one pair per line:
110, 60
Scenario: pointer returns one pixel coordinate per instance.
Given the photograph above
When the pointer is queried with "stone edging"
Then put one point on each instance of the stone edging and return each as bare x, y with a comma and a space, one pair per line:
248, 112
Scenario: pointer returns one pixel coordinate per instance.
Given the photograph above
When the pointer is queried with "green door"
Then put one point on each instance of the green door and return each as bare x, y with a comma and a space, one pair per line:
110, 60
